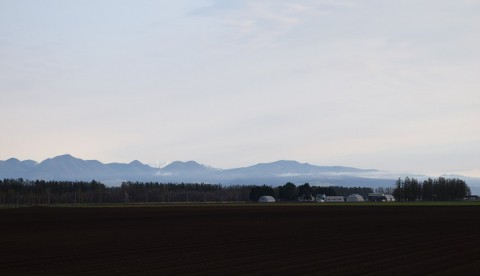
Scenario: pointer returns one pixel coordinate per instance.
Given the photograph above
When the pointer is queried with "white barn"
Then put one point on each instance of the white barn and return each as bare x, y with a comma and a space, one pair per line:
355, 198
390, 197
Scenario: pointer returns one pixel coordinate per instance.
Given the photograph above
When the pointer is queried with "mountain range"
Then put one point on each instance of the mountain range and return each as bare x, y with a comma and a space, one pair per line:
67, 167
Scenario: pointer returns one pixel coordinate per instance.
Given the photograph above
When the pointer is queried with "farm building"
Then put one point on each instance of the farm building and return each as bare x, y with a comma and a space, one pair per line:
355, 198
472, 198
379, 197
320, 197
305, 198
390, 197
335, 199
266, 199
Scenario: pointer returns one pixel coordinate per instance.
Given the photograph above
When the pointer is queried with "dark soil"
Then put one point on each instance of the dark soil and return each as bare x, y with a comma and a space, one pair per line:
246, 239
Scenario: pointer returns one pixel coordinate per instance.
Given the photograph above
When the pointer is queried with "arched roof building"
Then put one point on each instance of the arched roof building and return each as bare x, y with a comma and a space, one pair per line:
266, 199
355, 198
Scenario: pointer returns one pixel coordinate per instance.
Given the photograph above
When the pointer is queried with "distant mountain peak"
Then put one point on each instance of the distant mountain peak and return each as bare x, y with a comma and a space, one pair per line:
289, 163
60, 158
284, 162
64, 156
12, 160
17, 162
181, 165
136, 163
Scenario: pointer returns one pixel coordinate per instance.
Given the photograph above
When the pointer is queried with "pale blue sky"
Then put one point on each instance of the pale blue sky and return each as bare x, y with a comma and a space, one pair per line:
392, 85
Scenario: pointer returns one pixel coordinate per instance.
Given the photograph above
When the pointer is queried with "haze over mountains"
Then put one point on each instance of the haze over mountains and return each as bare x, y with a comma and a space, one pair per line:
67, 167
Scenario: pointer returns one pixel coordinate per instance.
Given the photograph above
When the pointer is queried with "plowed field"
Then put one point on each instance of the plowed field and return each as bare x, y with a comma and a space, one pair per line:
172, 240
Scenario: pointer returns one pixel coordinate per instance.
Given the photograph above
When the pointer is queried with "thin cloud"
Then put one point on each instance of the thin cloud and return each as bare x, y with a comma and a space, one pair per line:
265, 21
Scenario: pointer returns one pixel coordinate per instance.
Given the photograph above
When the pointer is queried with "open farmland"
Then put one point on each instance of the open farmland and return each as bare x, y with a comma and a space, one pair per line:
241, 239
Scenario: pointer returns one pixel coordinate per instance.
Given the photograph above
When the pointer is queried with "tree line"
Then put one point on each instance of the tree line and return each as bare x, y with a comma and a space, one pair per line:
183, 192
27, 192
40, 192
439, 189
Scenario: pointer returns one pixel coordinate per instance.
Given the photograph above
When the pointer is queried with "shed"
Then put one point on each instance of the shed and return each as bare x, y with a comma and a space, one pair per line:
266, 199
377, 197
334, 199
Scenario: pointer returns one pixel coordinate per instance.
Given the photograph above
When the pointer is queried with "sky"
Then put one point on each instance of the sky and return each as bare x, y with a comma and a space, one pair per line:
390, 85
